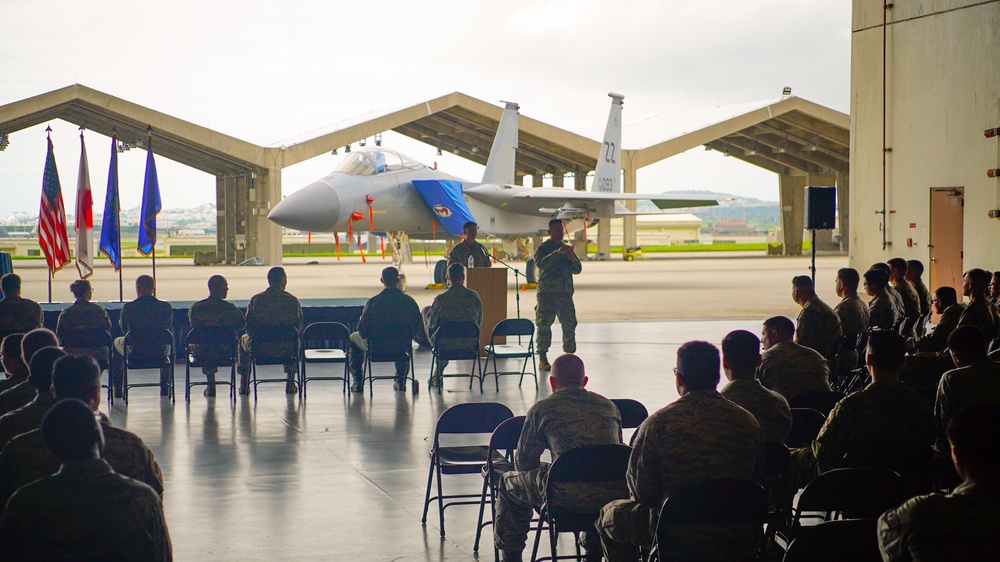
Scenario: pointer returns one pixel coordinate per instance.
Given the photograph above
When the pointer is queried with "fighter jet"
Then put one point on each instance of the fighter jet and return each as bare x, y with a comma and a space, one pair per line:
381, 190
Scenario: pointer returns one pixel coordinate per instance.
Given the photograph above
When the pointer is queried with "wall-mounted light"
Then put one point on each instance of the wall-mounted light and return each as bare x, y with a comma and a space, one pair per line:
439, 151
753, 148
708, 147
725, 150
475, 149
347, 149
4, 140
333, 152
378, 139
782, 145
813, 144
786, 91
993, 173
362, 142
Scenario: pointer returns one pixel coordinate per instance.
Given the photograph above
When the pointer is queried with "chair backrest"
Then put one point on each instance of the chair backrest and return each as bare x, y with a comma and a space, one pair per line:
633, 413
847, 342
806, 424
922, 322
389, 342
603, 466
275, 333
514, 327
325, 335
776, 459
822, 401
911, 461
724, 500
86, 337
836, 541
147, 347
457, 340
907, 324
506, 435
855, 492
212, 335
472, 417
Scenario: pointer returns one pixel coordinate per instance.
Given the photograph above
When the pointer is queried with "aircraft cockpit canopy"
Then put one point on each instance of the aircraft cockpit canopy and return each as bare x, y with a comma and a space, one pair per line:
371, 162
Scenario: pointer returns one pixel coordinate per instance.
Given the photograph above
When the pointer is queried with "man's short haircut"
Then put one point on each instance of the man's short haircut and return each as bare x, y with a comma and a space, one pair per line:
70, 431
41, 367
698, 364
803, 283
974, 430
568, 369
75, 376
11, 345
781, 324
877, 277
456, 271
80, 288
10, 283
883, 267
980, 277
144, 283
35, 340
555, 221
916, 266
217, 283
967, 341
897, 264
849, 277
946, 295
275, 276
742, 349
996, 275
468, 224
886, 349
390, 275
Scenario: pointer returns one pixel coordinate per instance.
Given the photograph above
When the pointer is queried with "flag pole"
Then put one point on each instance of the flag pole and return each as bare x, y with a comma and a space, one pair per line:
118, 222
152, 250
50, 285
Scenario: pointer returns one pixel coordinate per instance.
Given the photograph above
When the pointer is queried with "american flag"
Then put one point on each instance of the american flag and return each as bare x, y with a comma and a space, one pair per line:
52, 217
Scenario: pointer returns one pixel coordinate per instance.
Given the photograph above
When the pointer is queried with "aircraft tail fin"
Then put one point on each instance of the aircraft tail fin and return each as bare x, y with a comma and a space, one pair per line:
500, 166
607, 177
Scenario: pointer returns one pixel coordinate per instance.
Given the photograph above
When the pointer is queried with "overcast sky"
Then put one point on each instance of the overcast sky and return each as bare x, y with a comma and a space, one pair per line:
268, 71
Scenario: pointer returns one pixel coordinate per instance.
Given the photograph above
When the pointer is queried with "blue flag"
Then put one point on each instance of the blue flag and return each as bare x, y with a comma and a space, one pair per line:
150, 204
111, 240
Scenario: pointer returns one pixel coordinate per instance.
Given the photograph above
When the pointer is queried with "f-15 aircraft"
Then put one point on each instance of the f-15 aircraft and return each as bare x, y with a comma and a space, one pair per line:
382, 190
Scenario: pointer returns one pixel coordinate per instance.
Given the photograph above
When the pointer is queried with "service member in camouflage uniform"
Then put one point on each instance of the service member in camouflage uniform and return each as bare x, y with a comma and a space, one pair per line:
975, 380
853, 314
457, 304
897, 277
740, 359
893, 293
83, 314
214, 311
22, 392
571, 417
884, 412
557, 264
29, 416
786, 367
883, 311
914, 272
390, 307
817, 326
701, 436
26, 459
146, 312
86, 510
17, 315
274, 307
993, 289
468, 247
13, 366
945, 304
978, 312
962, 525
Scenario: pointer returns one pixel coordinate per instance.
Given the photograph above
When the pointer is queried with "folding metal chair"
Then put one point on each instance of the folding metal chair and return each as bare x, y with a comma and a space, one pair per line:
390, 343
461, 419
822, 401
272, 344
835, 541
633, 413
149, 349
738, 506
88, 340
323, 343
499, 459
911, 461
849, 493
806, 424
216, 347
522, 329
457, 341
603, 464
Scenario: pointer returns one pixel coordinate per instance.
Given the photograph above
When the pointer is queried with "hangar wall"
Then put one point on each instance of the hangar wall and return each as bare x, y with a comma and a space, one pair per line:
942, 91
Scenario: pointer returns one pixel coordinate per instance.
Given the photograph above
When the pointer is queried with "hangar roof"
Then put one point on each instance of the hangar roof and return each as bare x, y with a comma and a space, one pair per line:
784, 136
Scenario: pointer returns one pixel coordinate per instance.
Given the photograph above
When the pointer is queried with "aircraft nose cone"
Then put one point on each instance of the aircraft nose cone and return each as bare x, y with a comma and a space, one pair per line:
314, 208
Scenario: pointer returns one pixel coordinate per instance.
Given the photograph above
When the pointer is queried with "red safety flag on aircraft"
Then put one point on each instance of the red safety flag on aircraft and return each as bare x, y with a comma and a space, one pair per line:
52, 235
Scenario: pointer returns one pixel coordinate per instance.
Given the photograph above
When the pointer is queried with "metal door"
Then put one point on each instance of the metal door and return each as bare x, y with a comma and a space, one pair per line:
946, 249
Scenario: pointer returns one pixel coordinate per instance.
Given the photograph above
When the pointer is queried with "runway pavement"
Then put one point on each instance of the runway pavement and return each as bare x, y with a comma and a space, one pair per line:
664, 287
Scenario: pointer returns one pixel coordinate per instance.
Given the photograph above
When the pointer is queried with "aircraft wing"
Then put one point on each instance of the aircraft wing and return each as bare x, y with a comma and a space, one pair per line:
678, 201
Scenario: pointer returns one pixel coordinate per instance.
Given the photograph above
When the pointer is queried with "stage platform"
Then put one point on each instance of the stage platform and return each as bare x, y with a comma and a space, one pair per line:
337, 478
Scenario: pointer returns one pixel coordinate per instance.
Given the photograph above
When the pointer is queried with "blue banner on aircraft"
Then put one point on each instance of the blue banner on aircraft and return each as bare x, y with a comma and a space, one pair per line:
444, 199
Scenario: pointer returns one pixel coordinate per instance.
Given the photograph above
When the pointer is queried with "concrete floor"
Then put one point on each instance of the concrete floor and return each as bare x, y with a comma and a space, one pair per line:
332, 478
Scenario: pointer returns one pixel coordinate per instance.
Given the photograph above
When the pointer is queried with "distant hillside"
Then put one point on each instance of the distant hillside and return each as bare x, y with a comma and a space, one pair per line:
757, 214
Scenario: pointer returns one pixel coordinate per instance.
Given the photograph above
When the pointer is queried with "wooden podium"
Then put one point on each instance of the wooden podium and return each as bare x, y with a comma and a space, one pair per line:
491, 284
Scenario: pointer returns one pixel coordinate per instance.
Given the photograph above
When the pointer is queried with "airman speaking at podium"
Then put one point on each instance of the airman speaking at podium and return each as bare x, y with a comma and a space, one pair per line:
468, 252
